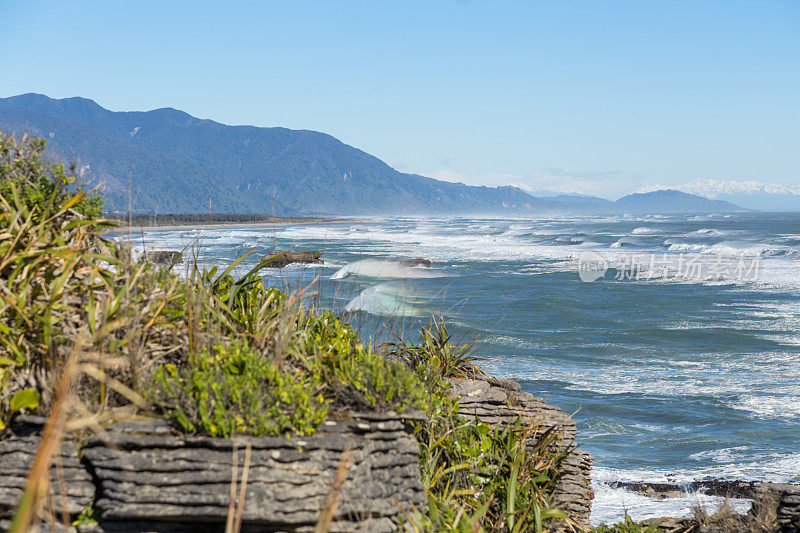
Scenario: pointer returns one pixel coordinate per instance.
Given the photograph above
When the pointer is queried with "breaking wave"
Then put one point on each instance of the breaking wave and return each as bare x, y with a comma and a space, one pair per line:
374, 268
385, 299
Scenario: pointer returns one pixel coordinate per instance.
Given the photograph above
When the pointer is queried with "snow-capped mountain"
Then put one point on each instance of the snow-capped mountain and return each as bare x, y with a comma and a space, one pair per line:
749, 194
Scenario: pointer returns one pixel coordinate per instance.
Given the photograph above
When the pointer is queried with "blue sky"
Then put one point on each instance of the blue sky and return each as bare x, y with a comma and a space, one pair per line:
597, 97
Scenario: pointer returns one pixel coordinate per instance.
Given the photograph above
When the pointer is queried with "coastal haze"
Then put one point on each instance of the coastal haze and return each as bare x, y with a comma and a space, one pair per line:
673, 376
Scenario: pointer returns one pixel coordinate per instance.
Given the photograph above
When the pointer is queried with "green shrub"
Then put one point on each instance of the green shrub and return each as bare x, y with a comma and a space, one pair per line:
355, 375
86, 518
367, 379
314, 342
53, 255
234, 390
43, 186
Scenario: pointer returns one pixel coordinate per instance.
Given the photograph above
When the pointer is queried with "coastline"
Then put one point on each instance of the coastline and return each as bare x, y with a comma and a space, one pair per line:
215, 221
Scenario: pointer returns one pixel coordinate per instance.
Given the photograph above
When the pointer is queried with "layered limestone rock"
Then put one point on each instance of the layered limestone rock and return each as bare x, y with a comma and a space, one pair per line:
416, 262
146, 476
68, 476
148, 473
781, 501
496, 401
776, 509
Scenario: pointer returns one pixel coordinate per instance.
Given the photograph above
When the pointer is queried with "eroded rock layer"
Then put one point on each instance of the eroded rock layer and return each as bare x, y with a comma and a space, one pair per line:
145, 476
145, 472
72, 487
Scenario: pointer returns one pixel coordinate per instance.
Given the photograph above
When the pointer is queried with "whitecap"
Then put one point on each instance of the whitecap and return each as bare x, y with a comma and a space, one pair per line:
628, 241
676, 246
374, 268
707, 232
768, 406
644, 231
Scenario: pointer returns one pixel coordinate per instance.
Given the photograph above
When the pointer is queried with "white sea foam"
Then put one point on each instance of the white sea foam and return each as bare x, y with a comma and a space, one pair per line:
508, 240
648, 427
707, 232
569, 239
733, 463
605, 428
643, 230
628, 241
774, 467
738, 248
611, 504
709, 376
722, 455
373, 268
439, 246
703, 218
768, 406
517, 229
511, 341
674, 245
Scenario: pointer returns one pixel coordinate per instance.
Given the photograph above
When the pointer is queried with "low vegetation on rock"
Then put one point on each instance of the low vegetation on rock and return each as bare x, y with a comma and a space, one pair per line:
233, 390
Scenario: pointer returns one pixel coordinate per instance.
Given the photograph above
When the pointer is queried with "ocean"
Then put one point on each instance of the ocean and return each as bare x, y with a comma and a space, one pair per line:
674, 339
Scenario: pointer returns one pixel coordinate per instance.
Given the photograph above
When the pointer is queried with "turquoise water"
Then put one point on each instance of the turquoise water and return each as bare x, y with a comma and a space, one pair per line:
671, 378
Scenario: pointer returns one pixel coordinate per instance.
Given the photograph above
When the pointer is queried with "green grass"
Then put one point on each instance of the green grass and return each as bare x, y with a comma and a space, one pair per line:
434, 356
628, 526
485, 478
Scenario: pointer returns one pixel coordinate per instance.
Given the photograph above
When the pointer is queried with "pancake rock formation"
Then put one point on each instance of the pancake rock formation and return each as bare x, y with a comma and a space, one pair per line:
144, 475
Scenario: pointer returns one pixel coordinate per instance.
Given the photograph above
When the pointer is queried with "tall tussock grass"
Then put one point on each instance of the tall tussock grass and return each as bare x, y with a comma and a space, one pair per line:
89, 336
479, 477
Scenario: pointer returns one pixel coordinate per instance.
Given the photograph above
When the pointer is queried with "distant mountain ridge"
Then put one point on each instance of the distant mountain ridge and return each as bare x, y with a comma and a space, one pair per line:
750, 194
181, 164
172, 162
671, 201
